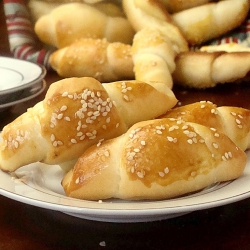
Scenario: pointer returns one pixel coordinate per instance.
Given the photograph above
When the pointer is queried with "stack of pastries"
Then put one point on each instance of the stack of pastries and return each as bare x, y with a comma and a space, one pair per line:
147, 40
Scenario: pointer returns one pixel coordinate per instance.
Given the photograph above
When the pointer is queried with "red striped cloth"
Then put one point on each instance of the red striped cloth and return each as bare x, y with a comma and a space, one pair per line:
22, 39
240, 35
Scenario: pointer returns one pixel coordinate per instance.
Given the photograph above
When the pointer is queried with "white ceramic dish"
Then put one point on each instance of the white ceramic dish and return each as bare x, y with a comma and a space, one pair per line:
39, 185
16, 74
25, 95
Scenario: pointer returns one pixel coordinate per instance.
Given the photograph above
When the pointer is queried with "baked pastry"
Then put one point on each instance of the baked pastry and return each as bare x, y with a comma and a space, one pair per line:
69, 22
155, 159
144, 14
203, 23
232, 121
153, 56
96, 58
38, 8
201, 69
77, 113
178, 5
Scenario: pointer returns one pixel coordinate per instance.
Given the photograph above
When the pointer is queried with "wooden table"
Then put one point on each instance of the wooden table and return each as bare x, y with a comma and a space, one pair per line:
24, 227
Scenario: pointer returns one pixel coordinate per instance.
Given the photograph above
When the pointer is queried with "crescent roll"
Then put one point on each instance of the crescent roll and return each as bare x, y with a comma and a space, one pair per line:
69, 22
75, 114
232, 121
156, 159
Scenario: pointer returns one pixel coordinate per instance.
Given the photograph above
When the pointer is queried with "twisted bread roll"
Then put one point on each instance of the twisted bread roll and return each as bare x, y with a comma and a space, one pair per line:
76, 113
69, 22
96, 58
155, 159
143, 14
156, 42
232, 121
205, 70
153, 56
200, 24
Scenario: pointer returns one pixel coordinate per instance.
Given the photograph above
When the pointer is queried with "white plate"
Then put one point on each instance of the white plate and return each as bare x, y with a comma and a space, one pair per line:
25, 95
17, 74
39, 185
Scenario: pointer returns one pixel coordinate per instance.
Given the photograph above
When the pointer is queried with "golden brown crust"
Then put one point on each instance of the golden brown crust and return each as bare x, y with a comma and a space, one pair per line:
232, 121
200, 24
60, 28
155, 159
96, 58
198, 69
75, 114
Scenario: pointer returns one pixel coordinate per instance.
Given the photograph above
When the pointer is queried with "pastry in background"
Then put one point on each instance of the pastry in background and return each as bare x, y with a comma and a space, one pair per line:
96, 58
69, 22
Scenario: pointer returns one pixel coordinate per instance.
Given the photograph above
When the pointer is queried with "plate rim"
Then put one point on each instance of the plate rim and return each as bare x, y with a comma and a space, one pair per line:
122, 215
28, 84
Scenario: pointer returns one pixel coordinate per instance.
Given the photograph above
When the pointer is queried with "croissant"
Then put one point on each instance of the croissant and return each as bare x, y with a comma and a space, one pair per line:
156, 159
69, 22
75, 114
201, 69
96, 58
232, 121
203, 23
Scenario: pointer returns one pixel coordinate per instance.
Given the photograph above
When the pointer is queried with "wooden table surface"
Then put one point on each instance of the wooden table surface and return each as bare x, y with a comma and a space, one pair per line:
24, 227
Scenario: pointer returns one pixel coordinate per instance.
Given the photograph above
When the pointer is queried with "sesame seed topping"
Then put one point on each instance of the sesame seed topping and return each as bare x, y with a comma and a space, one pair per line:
215, 145
73, 141
161, 174
166, 170
238, 121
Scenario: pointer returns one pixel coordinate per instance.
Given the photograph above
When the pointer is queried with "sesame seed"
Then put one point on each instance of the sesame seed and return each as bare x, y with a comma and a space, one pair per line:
63, 108
73, 141
190, 141
161, 174
215, 145
64, 94
126, 97
193, 173
238, 121
66, 118
52, 137
59, 116
143, 143
106, 153
159, 132
140, 174
166, 170
170, 139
